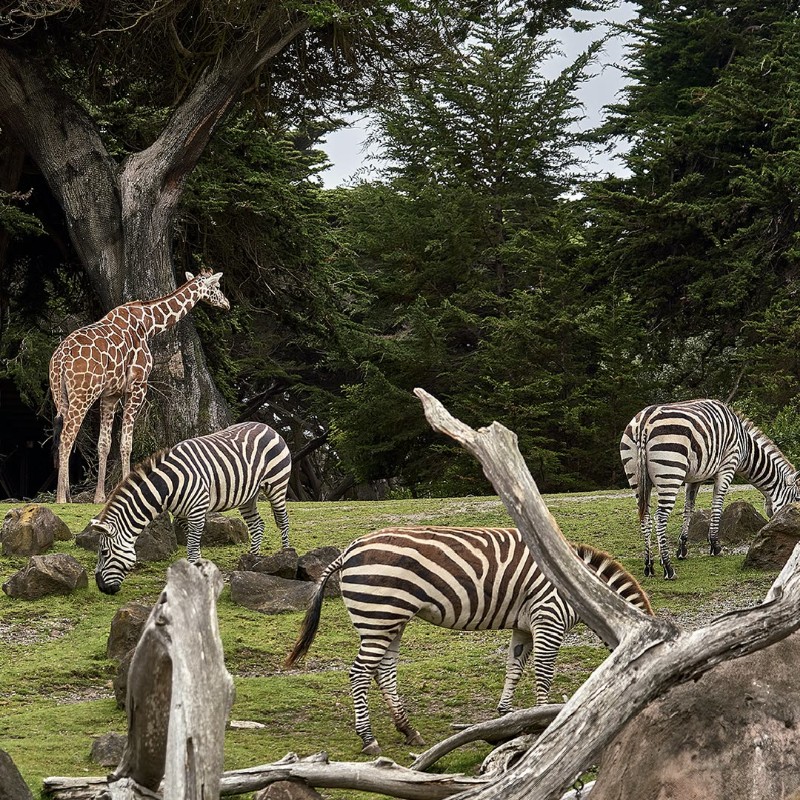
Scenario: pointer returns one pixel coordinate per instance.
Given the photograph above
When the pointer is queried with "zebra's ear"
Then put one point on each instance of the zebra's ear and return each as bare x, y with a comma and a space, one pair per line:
102, 527
793, 479
189, 276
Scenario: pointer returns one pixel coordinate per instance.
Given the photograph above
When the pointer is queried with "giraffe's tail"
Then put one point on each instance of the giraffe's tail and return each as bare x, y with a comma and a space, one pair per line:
58, 425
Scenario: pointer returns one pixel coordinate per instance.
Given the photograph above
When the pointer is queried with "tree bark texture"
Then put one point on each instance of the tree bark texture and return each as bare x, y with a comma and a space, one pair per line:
651, 654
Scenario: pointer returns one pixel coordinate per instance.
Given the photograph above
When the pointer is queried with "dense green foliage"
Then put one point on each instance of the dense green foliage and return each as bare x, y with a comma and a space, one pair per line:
479, 264
55, 677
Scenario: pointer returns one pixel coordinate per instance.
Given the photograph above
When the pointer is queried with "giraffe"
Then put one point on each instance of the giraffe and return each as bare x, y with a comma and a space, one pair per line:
111, 360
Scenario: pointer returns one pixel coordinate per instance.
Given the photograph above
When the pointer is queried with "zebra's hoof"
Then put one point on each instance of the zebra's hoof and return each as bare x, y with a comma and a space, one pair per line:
649, 572
682, 551
716, 548
414, 737
670, 575
371, 749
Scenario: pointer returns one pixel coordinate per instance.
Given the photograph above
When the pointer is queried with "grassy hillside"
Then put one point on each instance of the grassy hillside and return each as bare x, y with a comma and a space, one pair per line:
55, 679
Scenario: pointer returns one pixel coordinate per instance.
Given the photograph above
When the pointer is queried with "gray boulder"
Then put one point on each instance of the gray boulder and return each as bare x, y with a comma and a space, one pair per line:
313, 563
107, 749
126, 628
219, 530
740, 523
31, 530
730, 734
288, 790
774, 543
120, 680
283, 563
699, 522
12, 787
57, 573
270, 594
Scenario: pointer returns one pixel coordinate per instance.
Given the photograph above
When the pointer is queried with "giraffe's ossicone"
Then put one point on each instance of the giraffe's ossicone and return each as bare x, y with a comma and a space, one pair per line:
110, 360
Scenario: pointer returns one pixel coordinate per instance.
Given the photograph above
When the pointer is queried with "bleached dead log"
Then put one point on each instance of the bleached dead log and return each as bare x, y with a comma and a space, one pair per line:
500, 729
382, 776
651, 654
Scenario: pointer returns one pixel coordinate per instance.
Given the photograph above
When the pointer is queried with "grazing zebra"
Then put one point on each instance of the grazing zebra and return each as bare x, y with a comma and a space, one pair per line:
700, 440
223, 470
460, 578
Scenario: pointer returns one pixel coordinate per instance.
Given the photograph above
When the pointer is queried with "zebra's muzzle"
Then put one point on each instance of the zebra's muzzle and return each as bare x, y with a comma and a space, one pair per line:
106, 588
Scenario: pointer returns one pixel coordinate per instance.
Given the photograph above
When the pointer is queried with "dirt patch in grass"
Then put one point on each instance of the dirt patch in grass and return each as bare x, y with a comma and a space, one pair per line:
33, 631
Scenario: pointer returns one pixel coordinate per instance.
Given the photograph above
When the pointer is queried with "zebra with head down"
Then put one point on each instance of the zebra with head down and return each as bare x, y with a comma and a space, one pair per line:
222, 470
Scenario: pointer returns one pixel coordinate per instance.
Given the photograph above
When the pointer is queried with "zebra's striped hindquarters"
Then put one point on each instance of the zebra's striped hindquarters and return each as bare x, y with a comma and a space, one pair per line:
460, 578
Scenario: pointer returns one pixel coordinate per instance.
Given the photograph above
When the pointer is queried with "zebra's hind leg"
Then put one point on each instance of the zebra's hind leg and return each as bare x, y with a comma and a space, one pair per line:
519, 649
255, 525
195, 523
661, 534
386, 678
688, 508
370, 654
647, 528
278, 502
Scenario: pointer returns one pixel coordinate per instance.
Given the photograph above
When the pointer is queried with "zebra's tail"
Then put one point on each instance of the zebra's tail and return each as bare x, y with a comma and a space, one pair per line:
645, 485
311, 621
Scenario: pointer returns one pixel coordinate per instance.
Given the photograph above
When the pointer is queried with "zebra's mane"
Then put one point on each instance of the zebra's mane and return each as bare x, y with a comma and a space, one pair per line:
606, 568
759, 435
134, 477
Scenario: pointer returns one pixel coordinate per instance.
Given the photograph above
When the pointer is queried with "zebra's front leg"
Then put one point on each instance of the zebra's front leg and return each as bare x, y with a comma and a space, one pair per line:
386, 678
661, 535
519, 649
195, 522
255, 524
688, 509
547, 638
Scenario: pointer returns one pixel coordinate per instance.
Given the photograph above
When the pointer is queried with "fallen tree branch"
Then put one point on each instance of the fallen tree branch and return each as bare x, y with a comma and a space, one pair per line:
381, 775
652, 655
527, 720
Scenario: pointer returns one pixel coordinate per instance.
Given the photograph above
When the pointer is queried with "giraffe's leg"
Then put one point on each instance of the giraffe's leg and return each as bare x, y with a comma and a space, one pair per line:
548, 634
107, 406
134, 399
519, 650
688, 508
72, 419
255, 525
386, 678
721, 485
666, 502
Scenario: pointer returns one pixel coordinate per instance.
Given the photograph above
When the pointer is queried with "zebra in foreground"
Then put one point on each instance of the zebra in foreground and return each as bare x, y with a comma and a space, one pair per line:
665, 446
216, 472
460, 578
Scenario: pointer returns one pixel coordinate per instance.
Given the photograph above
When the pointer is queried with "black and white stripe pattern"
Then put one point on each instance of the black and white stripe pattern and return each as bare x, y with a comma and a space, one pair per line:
462, 578
665, 446
217, 472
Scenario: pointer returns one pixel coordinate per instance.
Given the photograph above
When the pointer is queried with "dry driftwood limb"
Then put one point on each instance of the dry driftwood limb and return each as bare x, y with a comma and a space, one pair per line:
651, 656
526, 720
381, 775
179, 691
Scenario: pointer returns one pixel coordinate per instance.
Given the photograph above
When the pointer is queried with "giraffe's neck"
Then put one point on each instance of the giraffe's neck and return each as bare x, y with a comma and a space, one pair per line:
164, 312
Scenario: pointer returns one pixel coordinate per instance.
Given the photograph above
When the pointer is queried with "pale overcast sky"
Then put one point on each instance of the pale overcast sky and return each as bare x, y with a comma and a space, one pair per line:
347, 149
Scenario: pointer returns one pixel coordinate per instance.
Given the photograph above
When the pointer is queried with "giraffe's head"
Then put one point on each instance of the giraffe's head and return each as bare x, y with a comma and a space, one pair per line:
208, 285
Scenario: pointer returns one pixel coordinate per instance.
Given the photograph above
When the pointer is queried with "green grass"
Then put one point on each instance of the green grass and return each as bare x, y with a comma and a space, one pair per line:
55, 679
